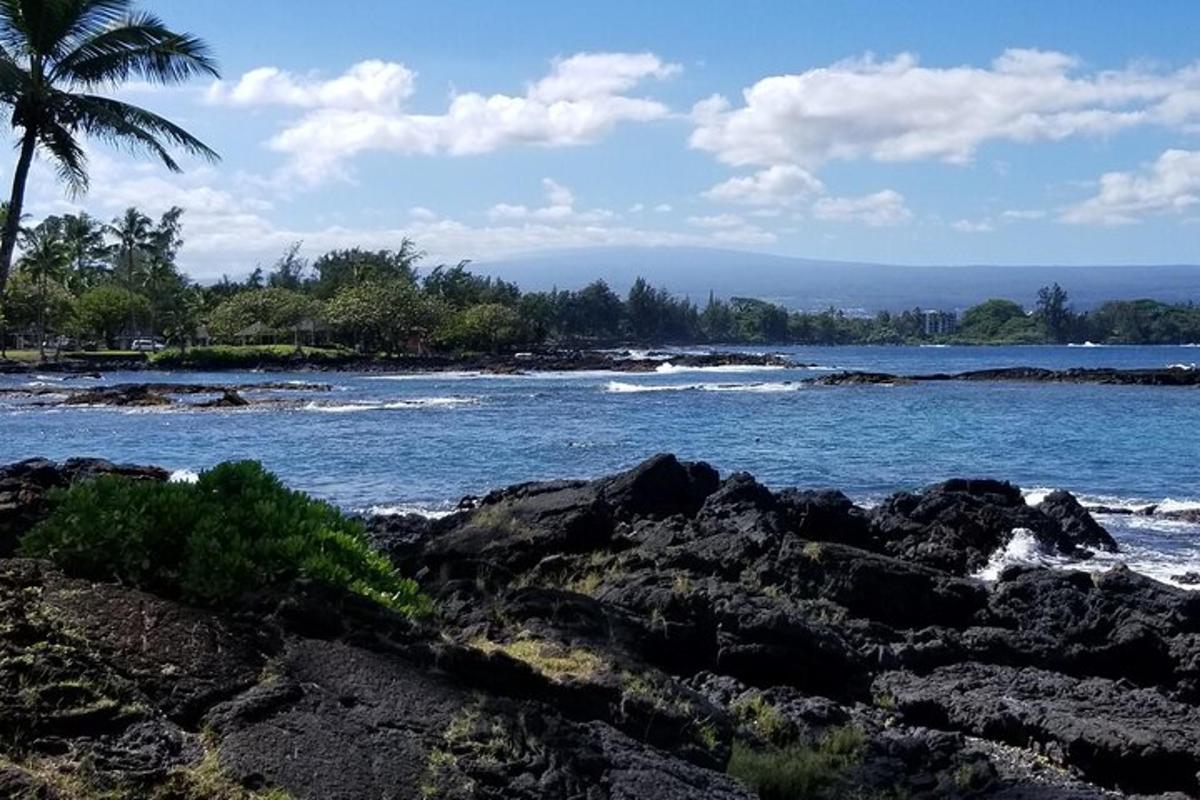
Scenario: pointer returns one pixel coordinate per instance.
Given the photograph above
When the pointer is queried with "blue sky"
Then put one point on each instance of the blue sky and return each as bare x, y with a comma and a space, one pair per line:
915, 132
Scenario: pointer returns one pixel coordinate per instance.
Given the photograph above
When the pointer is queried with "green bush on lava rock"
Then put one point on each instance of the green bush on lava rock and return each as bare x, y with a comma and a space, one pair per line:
236, 529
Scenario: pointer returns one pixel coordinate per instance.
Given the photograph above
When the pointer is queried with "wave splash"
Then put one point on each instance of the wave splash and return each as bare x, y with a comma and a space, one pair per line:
395, 405
620, 387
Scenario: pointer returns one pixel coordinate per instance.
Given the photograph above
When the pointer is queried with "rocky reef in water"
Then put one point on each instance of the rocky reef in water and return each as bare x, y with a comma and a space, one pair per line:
1177, 375
662, 633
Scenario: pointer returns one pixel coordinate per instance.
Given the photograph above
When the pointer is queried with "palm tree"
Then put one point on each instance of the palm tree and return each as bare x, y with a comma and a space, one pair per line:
84, 237
54, 54
135, 245
44, 256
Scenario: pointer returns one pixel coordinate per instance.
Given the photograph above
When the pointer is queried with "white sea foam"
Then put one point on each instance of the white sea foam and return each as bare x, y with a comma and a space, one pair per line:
403, 509
1022, 548
1036, 495
667, 368
425, 376
1187, 367
184, 476
1171, 505
1085, 344
395, 405
620, 387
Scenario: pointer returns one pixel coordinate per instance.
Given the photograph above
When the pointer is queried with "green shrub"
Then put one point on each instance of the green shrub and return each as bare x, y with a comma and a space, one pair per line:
799, 771
236, 529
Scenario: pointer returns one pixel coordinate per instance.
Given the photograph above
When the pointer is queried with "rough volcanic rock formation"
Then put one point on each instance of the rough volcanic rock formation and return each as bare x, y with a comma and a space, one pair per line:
660, 633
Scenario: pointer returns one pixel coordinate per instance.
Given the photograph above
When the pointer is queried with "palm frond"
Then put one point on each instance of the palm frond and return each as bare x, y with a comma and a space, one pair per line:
13, 33
123, 124
93, 16
139, 46
14, 80
69, 157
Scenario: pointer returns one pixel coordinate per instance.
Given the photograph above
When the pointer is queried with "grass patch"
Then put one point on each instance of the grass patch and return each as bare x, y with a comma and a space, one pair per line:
237, 529
204, 780
764, 719
799, 771
554, 661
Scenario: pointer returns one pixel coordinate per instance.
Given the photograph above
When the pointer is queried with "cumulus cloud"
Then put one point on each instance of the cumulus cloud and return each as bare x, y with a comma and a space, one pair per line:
777, 185
229, 226
877, 210
581, 99
1170, 185
898, 110
367, 86
559, 208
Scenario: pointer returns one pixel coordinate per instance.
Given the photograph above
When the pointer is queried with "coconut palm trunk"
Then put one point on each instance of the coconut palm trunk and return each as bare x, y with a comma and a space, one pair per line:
12, 220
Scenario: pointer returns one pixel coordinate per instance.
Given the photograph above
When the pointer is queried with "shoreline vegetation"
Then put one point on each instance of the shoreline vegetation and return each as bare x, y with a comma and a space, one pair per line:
663, 632
82, 285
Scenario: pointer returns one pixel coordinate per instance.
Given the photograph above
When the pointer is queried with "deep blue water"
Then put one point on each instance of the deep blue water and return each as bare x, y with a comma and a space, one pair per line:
424, 441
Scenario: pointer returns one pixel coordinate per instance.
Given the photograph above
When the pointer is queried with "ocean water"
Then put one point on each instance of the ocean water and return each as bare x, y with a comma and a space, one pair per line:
421, 442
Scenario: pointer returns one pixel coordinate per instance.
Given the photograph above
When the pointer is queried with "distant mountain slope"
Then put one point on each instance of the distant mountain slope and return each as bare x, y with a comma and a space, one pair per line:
808, 284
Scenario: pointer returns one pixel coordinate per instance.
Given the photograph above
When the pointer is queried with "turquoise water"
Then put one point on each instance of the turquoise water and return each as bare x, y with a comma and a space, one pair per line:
422, 442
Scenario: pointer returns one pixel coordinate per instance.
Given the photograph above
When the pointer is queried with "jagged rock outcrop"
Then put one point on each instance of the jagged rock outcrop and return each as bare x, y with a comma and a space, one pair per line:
628, 637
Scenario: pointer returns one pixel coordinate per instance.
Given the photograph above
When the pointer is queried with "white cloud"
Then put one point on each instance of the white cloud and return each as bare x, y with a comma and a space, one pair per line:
559, 208
664, 208
717, 221
367, 86
582, 99
422, 213
1170, 185
973, 226
777, 185
1024, 214
880, 209
898, 110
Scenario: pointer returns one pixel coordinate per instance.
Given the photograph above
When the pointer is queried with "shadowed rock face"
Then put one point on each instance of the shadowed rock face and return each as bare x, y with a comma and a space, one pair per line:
614, 639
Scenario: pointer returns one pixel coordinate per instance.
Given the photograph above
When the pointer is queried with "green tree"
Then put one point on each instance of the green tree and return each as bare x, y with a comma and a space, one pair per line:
162, 280
134, 233
84, 237
54, 55
290, 270
278, 309
716, 321
384, 314
994, 319
104, 310
457, 287
489, 326
45, 258
1053, 313
341, 268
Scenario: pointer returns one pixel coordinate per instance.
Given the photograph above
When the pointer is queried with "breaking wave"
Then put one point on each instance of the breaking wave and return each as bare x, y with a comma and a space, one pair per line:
405, 509
1022, 549
620, 387
667, 368
395, 405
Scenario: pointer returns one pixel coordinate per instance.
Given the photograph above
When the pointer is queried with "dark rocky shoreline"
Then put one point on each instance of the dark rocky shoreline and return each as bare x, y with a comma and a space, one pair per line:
161, 394
1166, 376
548, 360
620, 638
